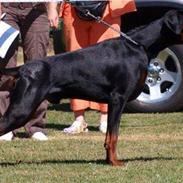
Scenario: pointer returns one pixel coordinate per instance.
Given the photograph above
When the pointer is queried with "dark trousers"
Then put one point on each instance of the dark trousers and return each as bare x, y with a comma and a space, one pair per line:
33, 25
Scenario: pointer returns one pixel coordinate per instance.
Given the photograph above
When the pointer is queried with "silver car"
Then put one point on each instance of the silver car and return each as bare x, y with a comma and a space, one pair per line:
163, 90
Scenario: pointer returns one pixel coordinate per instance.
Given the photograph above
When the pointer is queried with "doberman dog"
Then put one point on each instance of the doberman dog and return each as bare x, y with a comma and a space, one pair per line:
112, 72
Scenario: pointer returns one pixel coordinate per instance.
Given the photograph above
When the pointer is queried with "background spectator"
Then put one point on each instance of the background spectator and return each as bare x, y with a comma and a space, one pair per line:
32, 22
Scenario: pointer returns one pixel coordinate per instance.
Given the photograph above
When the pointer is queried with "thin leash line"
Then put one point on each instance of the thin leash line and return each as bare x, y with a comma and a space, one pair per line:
99, 20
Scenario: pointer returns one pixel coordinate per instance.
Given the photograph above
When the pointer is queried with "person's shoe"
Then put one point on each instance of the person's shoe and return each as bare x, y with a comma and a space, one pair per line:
103, 126
7, 137
76, 127
39, 136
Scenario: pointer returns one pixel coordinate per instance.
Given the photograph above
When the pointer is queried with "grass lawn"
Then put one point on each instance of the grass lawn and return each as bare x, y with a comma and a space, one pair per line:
150, 144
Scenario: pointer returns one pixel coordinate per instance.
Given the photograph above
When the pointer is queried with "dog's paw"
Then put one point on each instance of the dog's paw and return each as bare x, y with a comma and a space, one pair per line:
116, 163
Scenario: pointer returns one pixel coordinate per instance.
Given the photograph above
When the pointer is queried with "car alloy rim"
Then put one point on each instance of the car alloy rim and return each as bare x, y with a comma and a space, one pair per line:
164, 78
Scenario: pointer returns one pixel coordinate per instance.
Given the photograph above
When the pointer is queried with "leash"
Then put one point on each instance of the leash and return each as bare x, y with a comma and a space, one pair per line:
99, 20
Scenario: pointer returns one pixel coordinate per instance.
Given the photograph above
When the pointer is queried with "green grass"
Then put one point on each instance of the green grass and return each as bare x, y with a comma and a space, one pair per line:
150, 144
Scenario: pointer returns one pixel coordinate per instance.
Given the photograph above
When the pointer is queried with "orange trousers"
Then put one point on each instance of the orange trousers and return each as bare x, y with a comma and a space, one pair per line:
80, 34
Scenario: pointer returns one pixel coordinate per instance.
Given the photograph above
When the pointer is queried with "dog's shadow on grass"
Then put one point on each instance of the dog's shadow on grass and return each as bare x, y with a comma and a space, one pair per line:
60, 107
98, 162
60, 127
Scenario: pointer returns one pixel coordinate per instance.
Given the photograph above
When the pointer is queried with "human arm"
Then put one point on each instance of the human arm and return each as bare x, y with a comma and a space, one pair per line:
53, 14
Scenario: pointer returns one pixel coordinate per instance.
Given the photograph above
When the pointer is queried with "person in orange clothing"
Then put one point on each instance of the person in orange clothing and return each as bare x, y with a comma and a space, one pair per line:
79, 34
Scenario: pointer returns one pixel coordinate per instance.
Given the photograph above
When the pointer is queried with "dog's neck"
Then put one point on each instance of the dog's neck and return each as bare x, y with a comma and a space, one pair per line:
154, 37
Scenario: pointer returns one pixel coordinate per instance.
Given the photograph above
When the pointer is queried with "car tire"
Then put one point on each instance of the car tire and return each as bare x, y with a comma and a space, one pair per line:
163, 90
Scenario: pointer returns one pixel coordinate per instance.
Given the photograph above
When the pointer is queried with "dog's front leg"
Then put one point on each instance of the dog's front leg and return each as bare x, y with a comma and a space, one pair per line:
116, 106
24, 100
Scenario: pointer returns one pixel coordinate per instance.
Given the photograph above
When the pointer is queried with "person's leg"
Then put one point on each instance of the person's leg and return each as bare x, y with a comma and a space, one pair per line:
76, 39
35, 40
79, 125
103, 122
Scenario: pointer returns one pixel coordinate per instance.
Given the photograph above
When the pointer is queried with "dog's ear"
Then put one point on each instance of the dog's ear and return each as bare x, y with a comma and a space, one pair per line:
173, 20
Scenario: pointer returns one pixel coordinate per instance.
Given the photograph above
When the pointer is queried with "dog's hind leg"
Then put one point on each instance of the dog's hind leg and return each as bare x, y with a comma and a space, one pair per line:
116, 106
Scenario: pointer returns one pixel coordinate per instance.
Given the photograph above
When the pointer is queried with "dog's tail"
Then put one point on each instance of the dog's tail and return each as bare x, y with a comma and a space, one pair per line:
14, 71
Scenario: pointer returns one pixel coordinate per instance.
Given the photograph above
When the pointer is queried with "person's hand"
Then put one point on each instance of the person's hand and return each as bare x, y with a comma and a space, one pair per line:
53, 15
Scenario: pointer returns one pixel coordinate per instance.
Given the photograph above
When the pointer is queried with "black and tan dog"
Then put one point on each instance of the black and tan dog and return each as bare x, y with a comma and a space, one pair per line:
112, 72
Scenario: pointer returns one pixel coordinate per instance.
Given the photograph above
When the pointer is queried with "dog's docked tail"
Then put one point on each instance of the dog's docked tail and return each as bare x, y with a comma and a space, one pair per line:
14, 71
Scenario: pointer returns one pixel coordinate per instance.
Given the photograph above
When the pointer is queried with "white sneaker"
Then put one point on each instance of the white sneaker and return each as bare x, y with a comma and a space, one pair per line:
39, 136
76, 127
7, 137
103, 126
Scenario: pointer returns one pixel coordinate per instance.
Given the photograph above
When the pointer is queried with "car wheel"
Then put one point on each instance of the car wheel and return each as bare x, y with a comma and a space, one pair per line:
163, 90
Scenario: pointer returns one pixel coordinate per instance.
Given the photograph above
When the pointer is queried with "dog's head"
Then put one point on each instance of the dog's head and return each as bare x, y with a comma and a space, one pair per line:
173, 23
